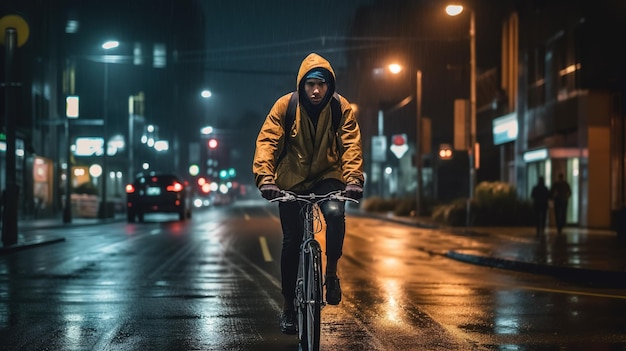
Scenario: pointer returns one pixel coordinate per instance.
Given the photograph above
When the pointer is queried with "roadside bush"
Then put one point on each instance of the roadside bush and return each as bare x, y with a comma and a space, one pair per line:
86, 188
404, 207
498, 205
495, 204
398, 206
454, 213
377, 204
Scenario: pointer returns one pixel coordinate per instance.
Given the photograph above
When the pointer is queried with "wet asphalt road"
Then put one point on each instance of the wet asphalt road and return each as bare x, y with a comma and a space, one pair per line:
212, 283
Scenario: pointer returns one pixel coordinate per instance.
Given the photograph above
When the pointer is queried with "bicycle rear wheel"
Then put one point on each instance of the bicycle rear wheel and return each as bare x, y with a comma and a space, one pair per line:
310, 304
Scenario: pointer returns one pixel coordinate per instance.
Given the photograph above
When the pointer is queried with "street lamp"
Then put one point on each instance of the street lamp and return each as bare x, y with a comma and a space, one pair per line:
395, 69
135, 112
206, 94
418, 143
454, 10
103, 212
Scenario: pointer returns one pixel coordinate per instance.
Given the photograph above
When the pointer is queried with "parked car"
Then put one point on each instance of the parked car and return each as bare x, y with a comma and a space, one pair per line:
157, 193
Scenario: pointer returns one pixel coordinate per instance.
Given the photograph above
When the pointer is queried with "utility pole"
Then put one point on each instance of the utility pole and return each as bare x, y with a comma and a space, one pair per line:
10, 25
10, 193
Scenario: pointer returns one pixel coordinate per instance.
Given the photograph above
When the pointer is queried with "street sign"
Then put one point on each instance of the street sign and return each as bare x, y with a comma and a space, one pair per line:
399, 146
379, 148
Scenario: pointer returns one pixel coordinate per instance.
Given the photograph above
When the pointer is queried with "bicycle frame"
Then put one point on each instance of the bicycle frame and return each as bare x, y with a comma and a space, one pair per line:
309, 299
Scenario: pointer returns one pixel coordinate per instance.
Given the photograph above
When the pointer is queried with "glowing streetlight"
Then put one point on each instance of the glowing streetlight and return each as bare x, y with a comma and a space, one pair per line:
206, 94
103, 211
454, 10
395, 69
111, 44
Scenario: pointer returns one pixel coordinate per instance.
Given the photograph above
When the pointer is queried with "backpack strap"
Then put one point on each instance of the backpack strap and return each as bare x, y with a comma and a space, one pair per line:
290, 115
335, 107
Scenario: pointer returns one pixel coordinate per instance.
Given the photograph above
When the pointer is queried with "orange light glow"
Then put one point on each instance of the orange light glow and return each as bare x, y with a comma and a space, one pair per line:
176, 187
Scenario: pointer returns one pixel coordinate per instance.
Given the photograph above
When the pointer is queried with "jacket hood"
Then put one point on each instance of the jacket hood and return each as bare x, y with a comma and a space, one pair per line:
309, 63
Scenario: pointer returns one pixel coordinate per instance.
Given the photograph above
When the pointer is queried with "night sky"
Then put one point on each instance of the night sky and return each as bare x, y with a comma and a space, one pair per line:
254, 52
255, 48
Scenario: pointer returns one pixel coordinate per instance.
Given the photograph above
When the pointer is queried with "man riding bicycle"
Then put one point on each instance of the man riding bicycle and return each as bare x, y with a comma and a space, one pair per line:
310, 156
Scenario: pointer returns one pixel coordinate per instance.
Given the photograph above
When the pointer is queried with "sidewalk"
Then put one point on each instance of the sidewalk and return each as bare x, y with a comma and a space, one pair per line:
581, 255
32, 232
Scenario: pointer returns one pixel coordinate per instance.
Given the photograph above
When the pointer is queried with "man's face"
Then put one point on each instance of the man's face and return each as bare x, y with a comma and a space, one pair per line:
315, 89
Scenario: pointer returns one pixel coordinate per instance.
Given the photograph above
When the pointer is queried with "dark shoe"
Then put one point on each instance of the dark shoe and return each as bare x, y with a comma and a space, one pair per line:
288, 322
333, 291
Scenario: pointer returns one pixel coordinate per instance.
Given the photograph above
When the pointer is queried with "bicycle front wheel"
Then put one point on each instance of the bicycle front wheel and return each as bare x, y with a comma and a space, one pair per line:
309, 316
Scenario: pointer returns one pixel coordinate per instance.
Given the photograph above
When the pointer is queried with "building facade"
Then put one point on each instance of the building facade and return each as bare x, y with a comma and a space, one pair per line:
550, 86
149, 79
561, 66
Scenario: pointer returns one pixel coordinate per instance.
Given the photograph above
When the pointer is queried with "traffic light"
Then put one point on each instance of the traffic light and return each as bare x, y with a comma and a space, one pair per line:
212, 143
445, 152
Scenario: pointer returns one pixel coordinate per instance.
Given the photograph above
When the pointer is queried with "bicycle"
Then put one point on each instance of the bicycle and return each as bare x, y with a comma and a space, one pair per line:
309, 299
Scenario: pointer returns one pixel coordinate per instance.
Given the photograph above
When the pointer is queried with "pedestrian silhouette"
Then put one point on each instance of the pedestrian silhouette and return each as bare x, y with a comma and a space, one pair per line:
561, 193
540, 196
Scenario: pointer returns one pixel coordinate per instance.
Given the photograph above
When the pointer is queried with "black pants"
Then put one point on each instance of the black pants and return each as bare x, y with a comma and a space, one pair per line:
541, 214
293, 227
560, 214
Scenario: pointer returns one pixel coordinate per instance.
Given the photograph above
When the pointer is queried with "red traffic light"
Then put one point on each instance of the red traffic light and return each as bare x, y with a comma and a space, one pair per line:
130, 189
212, 143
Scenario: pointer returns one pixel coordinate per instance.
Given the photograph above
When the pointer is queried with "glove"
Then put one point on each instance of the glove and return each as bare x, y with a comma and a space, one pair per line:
354, 191
270, 191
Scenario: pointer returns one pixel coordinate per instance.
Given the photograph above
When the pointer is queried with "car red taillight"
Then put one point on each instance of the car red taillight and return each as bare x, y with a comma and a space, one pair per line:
130, 189
175, 187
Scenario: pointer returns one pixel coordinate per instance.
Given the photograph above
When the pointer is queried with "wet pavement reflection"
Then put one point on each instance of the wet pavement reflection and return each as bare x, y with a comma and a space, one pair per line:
212, 284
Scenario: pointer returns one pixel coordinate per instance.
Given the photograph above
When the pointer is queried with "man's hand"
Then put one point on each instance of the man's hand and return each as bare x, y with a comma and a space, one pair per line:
354, 191
270, 191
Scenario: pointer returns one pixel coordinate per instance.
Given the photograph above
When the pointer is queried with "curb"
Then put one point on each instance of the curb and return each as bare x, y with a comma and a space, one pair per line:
35, 243
29, 244
585, 276
594, 277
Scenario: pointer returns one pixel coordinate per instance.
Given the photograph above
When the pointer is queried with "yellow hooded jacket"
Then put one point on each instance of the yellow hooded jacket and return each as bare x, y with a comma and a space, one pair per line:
308, 161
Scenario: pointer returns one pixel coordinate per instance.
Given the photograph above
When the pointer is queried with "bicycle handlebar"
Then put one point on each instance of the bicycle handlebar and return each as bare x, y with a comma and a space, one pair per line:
312, 197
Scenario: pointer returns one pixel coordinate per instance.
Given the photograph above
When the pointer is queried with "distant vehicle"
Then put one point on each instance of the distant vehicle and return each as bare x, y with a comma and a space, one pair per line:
201, 200
220, 199
202, 193
157, 193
